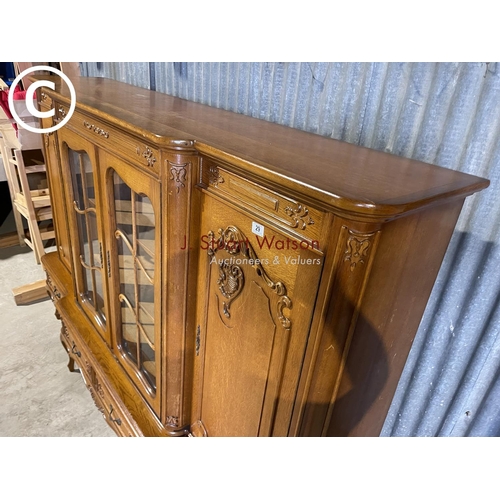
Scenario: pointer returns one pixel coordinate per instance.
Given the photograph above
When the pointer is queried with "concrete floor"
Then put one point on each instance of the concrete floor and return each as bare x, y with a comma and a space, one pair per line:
38, 395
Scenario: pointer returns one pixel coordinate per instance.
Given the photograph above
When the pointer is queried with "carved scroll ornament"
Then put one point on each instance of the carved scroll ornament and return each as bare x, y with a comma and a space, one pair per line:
214, 176
357, 248
172, 421
147, 154
178, 174
299, 215
231, 278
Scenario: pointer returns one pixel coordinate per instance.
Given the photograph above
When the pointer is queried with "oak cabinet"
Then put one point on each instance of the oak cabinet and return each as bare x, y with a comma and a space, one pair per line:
218, 275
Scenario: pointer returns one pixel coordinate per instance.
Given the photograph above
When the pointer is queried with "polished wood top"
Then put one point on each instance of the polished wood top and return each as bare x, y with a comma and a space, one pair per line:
339, 174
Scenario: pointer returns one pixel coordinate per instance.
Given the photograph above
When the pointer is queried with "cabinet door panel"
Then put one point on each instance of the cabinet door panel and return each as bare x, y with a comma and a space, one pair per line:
80, 171
241, 379
133, 238
254, 315
57, 196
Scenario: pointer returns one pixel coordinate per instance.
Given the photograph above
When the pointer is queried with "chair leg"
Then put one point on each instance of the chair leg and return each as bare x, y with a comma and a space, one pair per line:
38, 249
19, 226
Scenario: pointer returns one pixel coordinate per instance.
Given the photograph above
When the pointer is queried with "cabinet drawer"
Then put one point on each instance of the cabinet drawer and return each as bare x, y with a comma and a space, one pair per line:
113, 411
54, 290
125, 146
104, 396
305, 221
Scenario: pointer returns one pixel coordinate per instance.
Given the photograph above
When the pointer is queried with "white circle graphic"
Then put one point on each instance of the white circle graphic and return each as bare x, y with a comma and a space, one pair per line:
29, 101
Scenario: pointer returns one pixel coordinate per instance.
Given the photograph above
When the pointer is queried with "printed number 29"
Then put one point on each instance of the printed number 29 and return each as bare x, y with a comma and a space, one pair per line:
257, 229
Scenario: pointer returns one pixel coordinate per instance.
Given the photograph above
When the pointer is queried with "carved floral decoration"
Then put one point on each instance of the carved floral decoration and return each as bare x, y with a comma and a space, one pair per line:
172, 421
214, 176
97, 130
299, 215
147, 154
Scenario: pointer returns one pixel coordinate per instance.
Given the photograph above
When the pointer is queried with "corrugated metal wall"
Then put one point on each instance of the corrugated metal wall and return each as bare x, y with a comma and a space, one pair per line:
442, 113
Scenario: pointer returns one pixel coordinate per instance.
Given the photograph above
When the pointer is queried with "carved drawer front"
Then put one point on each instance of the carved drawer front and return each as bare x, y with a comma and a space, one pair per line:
69, 344
291, 214
110, 138
104, 396
54, 290
108, 403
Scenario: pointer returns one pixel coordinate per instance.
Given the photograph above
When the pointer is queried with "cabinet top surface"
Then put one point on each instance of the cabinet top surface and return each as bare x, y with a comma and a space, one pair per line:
340, 174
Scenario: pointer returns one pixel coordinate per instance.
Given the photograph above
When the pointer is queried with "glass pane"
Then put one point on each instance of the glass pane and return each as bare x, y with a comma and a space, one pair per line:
90, 248
135, 233
76, 176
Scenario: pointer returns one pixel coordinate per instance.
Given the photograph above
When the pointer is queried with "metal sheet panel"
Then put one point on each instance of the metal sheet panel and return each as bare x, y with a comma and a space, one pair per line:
442, 113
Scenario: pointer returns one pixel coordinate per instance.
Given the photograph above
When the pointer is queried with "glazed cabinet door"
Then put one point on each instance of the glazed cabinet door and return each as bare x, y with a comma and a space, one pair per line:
83, 207
256, 296
133, 236
57, 195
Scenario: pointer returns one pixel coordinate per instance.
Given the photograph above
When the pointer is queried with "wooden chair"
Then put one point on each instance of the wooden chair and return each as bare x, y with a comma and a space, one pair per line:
3, 175
25, 171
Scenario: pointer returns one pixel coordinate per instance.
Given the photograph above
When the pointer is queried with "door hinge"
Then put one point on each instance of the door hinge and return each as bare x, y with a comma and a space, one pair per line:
109, 265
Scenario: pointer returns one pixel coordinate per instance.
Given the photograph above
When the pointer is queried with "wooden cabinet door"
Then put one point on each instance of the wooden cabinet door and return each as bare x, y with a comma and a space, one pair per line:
132, 226
256, 297
83, 206
57, 195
